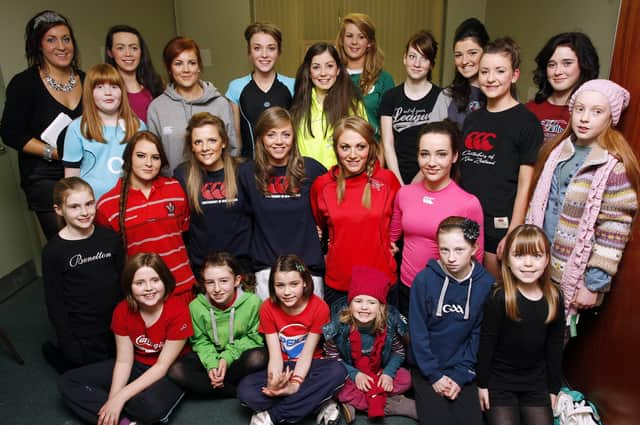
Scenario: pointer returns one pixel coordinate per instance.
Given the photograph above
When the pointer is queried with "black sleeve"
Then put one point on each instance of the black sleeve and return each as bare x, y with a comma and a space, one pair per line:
388, 102
531, 137
493, 314
56, 305
18, 110
554, 347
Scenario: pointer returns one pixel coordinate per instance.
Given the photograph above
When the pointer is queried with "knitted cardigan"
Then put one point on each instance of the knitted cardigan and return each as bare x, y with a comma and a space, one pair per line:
595, 220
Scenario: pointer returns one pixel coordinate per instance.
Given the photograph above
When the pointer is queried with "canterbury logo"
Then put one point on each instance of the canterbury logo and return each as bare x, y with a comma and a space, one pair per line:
479, 141
452, 308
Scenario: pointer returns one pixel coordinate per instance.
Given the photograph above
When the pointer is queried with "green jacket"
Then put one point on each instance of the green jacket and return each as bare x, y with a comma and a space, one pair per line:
211, 339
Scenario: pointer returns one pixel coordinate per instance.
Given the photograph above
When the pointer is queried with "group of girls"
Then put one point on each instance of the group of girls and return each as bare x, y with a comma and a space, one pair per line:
317, 180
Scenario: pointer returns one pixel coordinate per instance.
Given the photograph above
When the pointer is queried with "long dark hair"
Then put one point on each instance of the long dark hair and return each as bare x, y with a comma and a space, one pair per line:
145, 72
587, 56
341, 100
460, 87
127, 157
36, 29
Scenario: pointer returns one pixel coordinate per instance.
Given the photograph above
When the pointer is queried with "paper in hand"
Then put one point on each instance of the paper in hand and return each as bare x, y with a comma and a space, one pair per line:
51, 133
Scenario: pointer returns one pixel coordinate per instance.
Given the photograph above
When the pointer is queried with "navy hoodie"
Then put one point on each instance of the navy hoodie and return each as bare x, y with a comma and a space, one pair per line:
445, 316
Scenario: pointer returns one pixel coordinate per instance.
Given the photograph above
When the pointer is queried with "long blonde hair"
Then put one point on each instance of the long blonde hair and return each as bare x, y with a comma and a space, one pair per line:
364, 129
90, 123
528, 239
379, 322
271, 118
195, 172
374, 56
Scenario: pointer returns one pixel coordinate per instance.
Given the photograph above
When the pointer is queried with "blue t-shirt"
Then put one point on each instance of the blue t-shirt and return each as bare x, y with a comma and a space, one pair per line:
100, 163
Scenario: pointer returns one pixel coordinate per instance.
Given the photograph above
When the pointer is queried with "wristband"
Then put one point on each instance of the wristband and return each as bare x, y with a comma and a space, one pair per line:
47, 154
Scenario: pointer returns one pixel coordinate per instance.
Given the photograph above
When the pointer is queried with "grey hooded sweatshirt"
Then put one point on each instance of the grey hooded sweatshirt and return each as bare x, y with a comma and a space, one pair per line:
169, 114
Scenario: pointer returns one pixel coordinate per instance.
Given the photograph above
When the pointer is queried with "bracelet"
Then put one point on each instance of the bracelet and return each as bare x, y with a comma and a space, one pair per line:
47, 155
296, 379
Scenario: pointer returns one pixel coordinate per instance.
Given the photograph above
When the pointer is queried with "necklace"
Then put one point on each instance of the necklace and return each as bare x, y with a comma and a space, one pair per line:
66, 87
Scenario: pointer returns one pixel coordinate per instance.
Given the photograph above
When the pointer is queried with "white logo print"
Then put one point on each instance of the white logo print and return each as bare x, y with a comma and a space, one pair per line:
452, 308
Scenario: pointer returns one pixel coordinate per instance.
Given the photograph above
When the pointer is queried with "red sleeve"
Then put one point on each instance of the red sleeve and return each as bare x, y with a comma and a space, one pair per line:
267, 319
184, 213
317, 202
119, 319
320, 314
179, 324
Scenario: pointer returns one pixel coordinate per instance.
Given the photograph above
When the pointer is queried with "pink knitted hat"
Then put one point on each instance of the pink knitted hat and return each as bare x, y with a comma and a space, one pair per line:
618, 96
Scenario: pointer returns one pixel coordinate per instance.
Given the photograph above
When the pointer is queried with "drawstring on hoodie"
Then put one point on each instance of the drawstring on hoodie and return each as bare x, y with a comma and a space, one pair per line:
443, 292
214, 325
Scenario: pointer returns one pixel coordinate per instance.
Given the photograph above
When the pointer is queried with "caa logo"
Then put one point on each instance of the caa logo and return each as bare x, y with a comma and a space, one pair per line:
479, 141
212, 190
452, 308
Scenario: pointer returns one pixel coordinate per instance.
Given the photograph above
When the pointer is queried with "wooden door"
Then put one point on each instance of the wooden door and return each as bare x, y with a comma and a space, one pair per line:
603, 361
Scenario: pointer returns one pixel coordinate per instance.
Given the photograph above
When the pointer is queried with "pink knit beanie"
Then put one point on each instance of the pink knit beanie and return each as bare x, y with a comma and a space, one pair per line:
618, 96
368, 281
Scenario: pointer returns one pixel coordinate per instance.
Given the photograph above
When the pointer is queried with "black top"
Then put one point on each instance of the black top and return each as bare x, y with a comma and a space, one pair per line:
524, 355
407, 117
82, 283
221, 226
496, 144
282, 223
28, 111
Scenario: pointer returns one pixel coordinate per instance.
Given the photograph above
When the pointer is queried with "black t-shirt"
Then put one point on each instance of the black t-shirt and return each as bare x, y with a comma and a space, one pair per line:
495, 145
520, 355
282, 223
407, 116
252, 102
221, 226
82, 282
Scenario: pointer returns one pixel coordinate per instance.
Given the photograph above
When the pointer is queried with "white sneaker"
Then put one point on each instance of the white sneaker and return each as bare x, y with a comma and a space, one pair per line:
329, 414
261, 418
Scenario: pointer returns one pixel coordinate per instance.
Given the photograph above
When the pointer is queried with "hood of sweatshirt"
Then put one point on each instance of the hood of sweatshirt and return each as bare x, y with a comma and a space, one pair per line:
478, 274
209, 92
203, 299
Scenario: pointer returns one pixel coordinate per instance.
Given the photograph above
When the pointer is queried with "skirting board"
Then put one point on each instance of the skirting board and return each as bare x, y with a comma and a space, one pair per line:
17, 279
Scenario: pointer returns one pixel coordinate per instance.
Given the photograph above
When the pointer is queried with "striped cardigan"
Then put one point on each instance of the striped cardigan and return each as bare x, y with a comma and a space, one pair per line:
595, 220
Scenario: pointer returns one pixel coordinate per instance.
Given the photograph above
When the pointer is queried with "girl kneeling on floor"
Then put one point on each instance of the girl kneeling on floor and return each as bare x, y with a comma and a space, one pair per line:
226, 343
445, 315
365, 336
297, 380
151, 331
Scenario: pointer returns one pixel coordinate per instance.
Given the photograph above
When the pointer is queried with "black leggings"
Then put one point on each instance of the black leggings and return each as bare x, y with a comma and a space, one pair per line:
519, 408
190, 374
434, 409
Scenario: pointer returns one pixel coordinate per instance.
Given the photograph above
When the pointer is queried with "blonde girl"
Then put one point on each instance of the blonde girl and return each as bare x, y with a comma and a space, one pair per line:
363, 58
520, 356
94, 142
585, 196
209, 178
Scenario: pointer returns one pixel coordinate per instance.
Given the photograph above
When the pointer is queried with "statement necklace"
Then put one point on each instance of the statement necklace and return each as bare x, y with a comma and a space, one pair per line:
66, 87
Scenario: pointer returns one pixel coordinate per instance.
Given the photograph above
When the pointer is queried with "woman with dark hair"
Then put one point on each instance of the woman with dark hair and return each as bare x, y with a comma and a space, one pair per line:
150, 211
408, 106
353, 203
126, 50
468, 45
323, 95
275, 191
564, 64
185, 95
49, 91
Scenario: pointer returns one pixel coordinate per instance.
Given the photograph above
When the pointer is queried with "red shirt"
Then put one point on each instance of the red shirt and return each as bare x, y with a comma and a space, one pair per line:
358, 236
173, 324
153, 224
554, 119
293, 330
